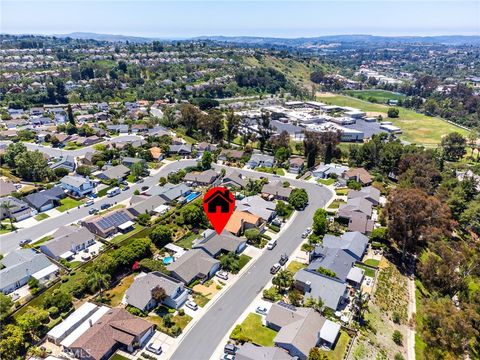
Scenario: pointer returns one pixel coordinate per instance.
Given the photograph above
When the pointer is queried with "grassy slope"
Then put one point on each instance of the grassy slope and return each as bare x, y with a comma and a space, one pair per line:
417, 128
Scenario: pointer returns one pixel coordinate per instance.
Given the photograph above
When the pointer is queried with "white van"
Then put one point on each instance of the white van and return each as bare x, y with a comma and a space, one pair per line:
271, 244
113, 191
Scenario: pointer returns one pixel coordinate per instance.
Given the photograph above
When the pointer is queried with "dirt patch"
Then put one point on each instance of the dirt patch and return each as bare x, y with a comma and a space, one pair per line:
376, 114
324, 94
209, 289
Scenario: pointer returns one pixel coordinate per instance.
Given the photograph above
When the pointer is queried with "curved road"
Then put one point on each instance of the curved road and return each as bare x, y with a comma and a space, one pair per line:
203, 338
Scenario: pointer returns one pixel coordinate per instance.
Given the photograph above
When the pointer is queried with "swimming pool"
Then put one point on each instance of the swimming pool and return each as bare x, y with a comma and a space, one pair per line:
167, 260
191, 196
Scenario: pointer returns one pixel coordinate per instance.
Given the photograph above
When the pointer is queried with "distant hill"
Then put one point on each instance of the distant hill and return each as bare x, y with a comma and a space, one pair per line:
265, 41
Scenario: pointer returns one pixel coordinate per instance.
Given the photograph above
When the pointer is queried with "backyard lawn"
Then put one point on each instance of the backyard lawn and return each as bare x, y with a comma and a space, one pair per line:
252, 329
41, 216
187, 241
368, 272
68, 203
340, 347
372, 262
295, 266
417, 128
119, 238
116, 294
118, 357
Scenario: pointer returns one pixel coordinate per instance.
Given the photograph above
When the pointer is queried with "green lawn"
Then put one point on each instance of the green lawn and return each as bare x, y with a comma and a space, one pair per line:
119, 238
131, 178
252, 330
118, 357
200, 299
372, 262
103, 192
42, 240
326, 181
336, 204
41, 216
368, 272
381, 96
243, 260
5, 229
417, 128
187, 241
295, 266
342, 191
340, 347
68, 203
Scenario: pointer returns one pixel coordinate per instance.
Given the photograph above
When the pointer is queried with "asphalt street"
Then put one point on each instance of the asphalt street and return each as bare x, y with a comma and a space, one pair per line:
201, 341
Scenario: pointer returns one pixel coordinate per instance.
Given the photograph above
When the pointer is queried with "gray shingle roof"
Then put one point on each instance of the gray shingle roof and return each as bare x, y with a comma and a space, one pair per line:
249, 351
115, 172
213, 243
191, 264
72, 237
139, 293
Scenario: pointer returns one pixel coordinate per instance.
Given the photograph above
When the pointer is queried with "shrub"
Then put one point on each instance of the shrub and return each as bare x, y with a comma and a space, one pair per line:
274, 228
134, 311
181, 312
272, 294
397, 337
399, 356
396, 317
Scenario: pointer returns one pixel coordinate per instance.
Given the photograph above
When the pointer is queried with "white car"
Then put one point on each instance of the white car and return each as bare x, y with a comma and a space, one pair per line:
155, 347
271, 244
191, 305
89, 203
222, 274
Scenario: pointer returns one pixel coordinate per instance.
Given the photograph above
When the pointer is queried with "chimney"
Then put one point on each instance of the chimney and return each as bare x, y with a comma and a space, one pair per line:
308, 286
90, 322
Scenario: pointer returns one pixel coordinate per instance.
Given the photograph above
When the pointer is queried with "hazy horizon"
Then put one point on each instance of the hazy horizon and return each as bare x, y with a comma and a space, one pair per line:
285, 19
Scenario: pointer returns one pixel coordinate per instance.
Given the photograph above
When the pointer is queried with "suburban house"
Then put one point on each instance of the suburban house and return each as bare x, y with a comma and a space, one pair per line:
194, 264
359, 221
203, 178
241, 220
66, 162
119, 172
68, 241
21, 265
106, 331
157, 153
78, 186
276, 190
353, 243
359, 175
120, 129
170, 192
45, 199
248, 351
369, 193
215, 244
229, 155
295, 165
129, 161
332, 291
15, 208
355, 205
300, 329
234, 180
324, 171
204, 146
257, 206
111, 223
141, 295
146, 205
181, 149
261, 160
88, 159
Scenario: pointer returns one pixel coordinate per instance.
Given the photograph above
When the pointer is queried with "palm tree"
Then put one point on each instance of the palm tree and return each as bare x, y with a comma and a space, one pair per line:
316, 304
361, 304
283, 280
97, 281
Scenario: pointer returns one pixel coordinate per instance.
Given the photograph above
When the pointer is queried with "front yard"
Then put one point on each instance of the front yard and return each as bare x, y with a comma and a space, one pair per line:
177, 322
41, 216
252, 330
68, 203
295, 266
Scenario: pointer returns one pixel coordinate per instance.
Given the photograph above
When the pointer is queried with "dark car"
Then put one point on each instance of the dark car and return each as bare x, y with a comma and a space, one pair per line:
25, 242
274, 269
230, 349
105, 206
283, 259
92, 211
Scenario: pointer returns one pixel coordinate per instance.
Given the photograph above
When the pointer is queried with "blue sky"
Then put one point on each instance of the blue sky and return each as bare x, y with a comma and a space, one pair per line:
179, 19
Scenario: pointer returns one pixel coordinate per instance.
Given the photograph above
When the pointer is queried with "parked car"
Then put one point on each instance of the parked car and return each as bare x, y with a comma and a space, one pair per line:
227, 357
25, 242
125, 188
105, 206
222, 274
230, 349
261, 310
274, 269
155, 347
271, 244
145, 188
305, 234
93, 211
89, 203
85, 257
191, 305
283, 259
140, 181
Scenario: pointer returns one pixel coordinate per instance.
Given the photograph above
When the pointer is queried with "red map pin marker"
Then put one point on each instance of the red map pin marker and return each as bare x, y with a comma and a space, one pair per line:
218, 204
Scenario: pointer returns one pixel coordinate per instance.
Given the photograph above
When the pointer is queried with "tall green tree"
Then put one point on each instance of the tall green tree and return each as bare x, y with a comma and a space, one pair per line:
231, 127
